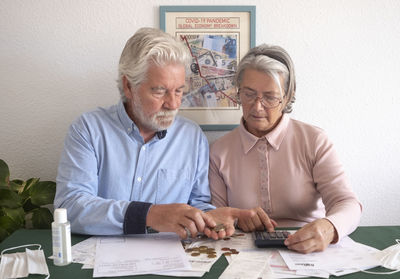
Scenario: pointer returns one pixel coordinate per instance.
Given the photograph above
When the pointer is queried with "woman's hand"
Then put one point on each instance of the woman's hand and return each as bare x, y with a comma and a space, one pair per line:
257, 220
313, 237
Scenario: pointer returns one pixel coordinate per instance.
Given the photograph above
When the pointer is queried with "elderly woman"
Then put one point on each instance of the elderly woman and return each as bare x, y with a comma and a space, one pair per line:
286, 171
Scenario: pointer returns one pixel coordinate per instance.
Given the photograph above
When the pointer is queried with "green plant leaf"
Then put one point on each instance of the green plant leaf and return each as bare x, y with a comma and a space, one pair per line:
16, 214
16, 187
28, 206
9, 199
41, 218
29, 183
8, 224
4, 173
43, 193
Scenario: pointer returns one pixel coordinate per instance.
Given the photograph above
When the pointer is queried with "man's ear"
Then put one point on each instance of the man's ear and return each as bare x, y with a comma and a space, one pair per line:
127, 88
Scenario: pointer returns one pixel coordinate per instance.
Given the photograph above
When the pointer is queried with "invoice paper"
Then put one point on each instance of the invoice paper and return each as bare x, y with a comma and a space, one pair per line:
138, 254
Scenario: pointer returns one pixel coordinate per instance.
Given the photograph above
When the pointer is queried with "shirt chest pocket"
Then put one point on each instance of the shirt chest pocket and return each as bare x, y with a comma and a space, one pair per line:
173, 186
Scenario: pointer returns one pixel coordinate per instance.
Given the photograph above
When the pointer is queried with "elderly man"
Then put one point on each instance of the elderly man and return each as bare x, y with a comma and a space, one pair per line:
137, 164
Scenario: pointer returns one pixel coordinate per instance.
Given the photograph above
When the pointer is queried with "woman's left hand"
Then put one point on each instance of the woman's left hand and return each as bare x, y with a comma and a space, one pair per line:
313, 237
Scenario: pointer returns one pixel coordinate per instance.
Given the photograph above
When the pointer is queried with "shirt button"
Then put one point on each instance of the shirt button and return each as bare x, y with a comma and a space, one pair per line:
129, 130
143, 147
139, 179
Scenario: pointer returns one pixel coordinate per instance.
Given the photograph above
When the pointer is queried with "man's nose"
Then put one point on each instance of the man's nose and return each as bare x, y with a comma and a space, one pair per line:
172, 101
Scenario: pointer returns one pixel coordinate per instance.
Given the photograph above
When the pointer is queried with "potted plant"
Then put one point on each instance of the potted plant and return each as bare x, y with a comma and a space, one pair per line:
22, 203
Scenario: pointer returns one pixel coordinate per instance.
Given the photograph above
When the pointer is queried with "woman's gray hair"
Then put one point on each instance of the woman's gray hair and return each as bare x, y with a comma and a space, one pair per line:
274, 61
149, 46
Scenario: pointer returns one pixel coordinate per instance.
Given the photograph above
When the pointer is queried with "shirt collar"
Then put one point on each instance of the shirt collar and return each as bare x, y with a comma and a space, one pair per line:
274, 137
125, 119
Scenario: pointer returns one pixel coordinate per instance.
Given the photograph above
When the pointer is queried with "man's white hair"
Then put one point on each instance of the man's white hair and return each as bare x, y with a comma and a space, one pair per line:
146, 46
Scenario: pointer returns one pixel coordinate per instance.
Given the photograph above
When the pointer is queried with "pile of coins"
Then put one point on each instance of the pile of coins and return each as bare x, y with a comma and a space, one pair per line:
197, 251
228, 251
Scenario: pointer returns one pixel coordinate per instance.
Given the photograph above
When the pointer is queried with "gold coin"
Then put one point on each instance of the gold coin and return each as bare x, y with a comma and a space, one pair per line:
203, 247
219, 227
195, 254
225, 249
227, 253
212, 256
189, 250
235, 252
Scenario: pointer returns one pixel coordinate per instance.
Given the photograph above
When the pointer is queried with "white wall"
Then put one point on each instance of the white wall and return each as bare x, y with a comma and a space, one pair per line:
59, 59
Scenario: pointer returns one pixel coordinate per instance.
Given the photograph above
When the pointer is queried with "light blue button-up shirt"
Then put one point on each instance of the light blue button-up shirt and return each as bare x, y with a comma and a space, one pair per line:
106, 165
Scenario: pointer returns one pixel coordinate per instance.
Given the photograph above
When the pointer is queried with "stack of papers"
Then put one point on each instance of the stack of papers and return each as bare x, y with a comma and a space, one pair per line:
339, 259
163, 254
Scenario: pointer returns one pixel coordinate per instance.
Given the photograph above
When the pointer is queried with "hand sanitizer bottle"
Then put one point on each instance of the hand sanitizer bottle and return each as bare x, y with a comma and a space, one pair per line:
61, 235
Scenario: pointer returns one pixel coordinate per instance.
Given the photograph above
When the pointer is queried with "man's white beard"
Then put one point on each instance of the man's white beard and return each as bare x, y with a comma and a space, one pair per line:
156, 122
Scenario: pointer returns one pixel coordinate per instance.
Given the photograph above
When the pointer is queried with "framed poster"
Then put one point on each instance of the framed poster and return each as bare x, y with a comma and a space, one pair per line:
217, 37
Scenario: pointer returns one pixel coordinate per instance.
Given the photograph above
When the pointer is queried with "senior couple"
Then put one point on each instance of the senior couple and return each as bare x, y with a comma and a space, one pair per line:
137, 166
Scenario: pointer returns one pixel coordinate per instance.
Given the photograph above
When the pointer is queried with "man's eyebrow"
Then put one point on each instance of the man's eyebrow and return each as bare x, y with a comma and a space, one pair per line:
248, 88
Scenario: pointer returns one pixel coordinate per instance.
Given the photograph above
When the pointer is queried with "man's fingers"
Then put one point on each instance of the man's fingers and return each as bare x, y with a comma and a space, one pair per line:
209, 220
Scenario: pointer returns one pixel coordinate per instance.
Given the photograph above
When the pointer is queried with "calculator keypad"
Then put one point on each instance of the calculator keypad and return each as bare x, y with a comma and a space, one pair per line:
264, 239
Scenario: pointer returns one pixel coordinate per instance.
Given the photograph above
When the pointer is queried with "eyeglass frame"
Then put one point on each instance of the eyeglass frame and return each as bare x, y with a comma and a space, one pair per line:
261, 99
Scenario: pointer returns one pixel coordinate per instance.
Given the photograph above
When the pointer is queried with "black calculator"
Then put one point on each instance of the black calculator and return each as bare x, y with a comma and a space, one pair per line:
264, 239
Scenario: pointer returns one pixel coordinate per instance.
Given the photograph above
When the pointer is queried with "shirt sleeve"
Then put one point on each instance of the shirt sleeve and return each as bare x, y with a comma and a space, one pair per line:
217, 184
77, 187
200, 196
342, 207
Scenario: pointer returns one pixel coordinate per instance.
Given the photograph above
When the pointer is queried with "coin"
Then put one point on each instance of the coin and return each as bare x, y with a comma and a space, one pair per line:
195, 254
189, 250
225, 249
219, 227
227, 253
212, 256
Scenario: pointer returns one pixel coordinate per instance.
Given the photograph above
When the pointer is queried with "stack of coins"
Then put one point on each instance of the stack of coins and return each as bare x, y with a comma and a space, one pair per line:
218, 228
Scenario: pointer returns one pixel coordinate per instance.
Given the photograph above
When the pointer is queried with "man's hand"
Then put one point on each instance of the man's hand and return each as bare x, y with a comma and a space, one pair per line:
313, 237
177, 218
257, 220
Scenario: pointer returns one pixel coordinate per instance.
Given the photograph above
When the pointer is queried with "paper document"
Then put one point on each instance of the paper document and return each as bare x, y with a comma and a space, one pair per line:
139, 254
84, 252
249, 265
348, 254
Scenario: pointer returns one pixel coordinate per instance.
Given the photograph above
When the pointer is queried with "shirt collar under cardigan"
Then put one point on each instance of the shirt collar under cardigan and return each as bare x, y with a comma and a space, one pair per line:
274, 137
